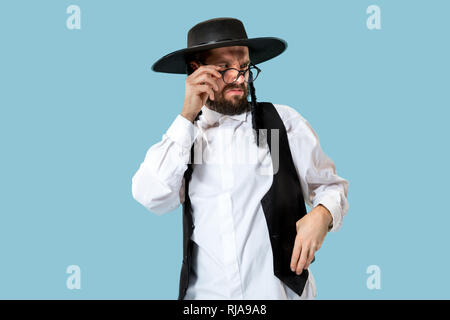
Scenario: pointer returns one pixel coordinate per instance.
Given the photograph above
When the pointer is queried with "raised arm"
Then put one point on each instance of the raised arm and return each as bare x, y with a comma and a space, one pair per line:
157, 184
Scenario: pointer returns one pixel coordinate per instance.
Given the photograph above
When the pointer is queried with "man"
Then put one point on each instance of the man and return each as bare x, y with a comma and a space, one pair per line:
246, 234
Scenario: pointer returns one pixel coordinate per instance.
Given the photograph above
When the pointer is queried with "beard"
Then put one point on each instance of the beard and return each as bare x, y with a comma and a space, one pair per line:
234, 105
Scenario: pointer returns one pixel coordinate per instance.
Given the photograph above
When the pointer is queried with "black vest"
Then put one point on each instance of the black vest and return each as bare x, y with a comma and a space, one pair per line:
283, 206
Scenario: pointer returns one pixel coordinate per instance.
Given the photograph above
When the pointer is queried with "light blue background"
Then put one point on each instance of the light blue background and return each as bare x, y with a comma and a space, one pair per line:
80, 108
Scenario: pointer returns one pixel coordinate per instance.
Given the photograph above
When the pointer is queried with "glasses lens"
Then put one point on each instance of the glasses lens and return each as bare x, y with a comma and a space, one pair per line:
253, 74
231, 75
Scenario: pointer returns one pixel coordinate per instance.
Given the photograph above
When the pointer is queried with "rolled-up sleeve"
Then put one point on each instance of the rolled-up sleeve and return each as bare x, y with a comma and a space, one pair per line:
317, 172
158, 181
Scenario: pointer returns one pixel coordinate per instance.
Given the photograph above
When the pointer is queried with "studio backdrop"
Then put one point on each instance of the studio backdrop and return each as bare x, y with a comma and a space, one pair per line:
80, 106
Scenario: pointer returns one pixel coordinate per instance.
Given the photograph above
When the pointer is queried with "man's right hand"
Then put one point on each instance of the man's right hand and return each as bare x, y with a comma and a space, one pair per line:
200, 85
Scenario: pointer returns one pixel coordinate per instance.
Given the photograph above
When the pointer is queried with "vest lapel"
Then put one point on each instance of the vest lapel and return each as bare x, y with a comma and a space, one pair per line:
283, 204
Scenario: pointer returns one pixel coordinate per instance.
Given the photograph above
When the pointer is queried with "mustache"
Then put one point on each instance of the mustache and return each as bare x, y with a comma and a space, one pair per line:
241, 87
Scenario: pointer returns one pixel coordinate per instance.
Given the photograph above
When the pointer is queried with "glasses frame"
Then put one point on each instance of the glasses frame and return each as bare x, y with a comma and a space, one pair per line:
251, 65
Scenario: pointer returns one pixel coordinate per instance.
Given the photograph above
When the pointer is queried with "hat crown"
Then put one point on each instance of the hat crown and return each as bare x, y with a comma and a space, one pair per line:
216, 30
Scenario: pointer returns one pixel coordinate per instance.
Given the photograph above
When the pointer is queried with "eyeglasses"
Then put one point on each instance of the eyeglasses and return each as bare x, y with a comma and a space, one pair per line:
230, 75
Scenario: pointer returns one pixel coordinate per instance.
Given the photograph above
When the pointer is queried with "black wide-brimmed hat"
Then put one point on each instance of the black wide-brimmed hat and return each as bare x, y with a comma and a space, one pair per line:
217, 33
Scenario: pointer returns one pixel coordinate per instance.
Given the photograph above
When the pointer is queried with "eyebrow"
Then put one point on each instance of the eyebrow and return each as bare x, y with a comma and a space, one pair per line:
222, 61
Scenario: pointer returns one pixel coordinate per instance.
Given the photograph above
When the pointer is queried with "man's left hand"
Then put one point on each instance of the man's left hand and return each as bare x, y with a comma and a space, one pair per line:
311, 231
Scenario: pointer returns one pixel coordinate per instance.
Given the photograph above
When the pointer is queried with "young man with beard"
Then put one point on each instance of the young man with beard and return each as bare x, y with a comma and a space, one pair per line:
246, 234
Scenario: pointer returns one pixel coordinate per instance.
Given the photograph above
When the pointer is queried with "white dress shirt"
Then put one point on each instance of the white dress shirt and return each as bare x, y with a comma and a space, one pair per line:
232, 256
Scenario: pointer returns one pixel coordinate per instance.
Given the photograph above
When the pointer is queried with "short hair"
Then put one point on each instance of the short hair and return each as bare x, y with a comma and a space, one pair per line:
199, 56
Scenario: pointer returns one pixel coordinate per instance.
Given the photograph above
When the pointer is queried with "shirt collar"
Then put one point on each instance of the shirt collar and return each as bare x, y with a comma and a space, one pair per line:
211, 117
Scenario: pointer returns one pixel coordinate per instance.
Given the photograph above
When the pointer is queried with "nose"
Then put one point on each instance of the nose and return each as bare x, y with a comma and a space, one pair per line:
240, 79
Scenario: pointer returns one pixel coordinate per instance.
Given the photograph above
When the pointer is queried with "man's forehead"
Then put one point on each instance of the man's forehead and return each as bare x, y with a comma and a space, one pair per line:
228, 53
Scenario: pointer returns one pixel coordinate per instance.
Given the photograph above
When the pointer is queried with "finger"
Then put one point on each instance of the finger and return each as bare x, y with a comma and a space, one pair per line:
204, 96
212, 86
211, 82
204, 88
211, 70
296, 253
210, 76
310, 257
302, 260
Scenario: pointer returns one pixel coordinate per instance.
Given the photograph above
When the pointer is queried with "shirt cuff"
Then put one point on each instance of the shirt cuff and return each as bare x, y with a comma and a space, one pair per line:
182, 131
333, 206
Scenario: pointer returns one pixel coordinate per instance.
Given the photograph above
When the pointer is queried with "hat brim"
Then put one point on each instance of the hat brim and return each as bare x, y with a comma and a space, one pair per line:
260, 50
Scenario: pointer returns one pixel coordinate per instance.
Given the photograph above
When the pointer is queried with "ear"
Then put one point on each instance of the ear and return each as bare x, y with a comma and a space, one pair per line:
194, 65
